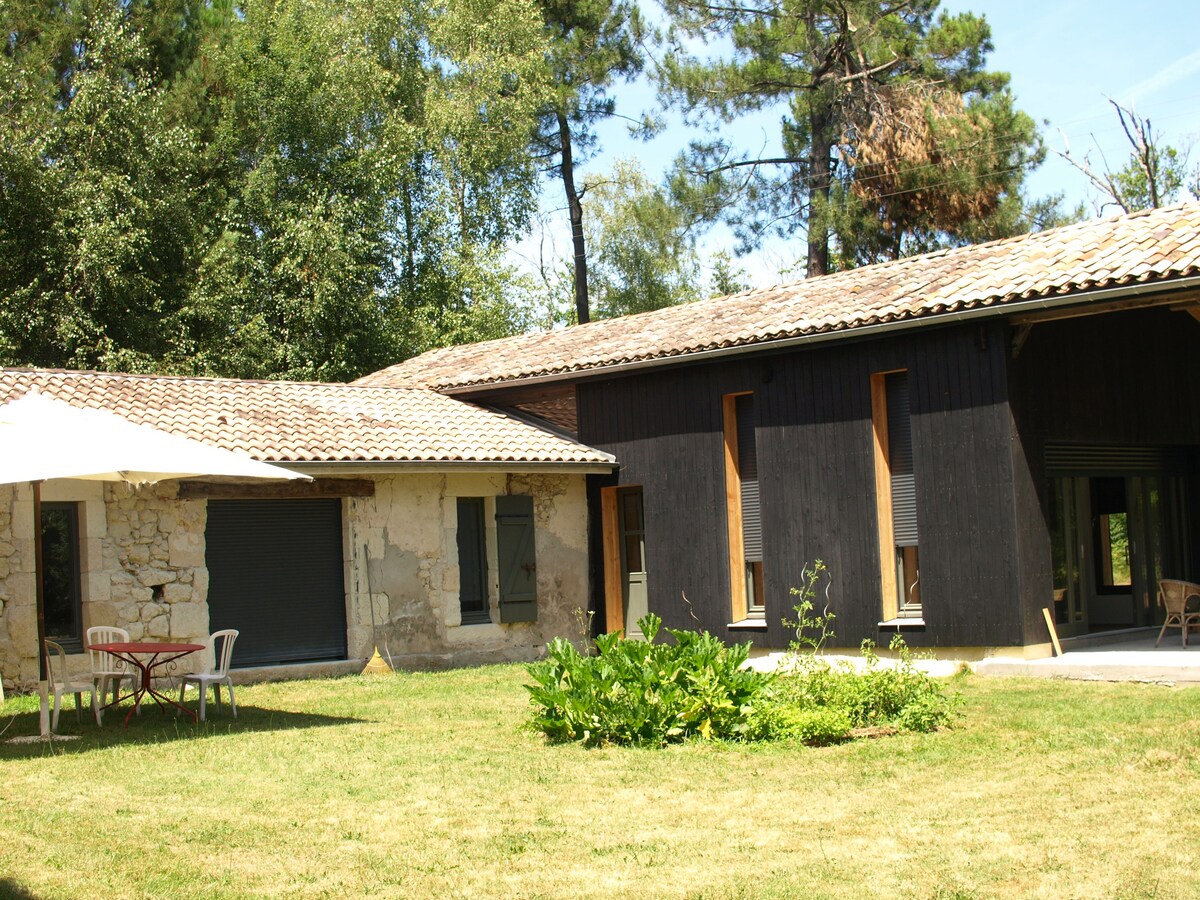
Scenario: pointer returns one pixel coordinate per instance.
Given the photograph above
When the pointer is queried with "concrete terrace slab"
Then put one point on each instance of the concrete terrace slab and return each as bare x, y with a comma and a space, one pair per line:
1134, 659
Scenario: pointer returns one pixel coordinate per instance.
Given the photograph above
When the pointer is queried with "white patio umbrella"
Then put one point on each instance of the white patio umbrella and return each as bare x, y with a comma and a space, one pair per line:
43, 438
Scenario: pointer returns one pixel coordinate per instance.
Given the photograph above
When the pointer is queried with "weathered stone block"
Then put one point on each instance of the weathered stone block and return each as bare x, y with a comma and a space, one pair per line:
152, 577
159, 627
119, 531
103, 614
177, 593
189, 620
187, 548
21, 621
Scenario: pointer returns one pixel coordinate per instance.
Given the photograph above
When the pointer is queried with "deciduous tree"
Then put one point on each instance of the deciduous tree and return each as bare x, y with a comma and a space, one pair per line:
1153, 175
593, 43
288, 188
643, 251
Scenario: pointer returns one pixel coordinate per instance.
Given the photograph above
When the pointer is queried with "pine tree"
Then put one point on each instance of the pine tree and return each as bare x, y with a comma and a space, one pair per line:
896, 137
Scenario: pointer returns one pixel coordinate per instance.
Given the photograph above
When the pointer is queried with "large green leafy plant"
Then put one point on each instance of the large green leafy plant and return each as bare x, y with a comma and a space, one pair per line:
644, 693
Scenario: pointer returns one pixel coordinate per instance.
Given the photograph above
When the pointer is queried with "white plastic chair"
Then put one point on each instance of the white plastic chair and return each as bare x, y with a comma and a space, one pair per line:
218, 658
106, 668
56, 674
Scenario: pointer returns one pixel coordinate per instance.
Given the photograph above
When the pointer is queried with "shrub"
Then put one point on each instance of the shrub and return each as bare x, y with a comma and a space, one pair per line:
779, 719
902, 695
642, 693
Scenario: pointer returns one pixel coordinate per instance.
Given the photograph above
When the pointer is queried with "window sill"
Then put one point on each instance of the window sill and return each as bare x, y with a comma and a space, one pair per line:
903, 622
755, 623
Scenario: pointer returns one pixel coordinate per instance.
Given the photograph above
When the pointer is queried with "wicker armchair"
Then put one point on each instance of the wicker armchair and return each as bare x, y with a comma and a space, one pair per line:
1182, 602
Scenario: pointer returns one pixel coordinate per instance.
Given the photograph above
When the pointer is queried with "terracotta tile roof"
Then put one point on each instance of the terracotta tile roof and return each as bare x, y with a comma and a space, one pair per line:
558, 411
298, 422
1139, 248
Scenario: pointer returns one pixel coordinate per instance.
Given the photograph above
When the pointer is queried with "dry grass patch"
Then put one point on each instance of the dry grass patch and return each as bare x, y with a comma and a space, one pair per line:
427, 785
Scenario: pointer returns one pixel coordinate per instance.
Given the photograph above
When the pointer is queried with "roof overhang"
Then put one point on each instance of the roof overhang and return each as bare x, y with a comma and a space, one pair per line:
420, 467
1172, 292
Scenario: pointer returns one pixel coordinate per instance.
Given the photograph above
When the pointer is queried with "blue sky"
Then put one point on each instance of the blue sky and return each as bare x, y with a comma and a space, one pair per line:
1065, 57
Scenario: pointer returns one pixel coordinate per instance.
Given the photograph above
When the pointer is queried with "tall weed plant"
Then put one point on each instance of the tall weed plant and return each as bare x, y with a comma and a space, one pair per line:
819, 701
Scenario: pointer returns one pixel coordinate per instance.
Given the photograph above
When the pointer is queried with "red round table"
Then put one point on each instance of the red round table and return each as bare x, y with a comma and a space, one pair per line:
147, 656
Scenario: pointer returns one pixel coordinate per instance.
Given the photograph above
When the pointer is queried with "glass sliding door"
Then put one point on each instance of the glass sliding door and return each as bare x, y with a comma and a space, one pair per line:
1112, 538
1158, 540
1069, 609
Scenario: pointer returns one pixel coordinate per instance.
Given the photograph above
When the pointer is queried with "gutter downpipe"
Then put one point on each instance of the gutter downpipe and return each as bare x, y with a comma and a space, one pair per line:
995, 309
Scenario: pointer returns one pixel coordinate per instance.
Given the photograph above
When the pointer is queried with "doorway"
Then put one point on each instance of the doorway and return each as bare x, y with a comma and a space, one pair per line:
1113, 536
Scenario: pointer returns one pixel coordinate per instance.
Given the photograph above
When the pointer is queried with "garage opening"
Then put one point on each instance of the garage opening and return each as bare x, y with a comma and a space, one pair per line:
276, 575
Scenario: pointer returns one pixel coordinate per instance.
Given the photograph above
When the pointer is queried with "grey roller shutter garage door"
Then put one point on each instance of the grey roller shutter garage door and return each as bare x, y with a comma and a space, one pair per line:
275, 574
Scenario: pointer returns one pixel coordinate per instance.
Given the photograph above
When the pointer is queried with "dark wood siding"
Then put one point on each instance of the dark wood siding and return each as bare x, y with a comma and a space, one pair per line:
815, 464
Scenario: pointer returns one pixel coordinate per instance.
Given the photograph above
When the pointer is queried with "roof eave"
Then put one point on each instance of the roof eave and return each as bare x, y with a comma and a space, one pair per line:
417, 467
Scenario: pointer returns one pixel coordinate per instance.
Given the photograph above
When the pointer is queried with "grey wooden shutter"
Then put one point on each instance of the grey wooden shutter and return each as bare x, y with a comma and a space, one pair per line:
748, 474
900, 459
515, 553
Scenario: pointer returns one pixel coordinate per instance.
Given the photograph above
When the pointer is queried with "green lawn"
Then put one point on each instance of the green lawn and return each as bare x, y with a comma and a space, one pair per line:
426, 785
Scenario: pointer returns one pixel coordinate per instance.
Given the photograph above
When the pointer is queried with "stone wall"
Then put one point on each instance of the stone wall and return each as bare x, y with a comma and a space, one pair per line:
143, 568
407, 535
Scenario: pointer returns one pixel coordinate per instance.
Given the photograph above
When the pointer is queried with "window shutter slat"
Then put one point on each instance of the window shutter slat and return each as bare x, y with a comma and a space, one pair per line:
900, 458
748, 473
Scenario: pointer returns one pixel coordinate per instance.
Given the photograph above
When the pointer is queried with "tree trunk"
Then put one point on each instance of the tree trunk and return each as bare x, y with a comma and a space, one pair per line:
575, 208
820, 125
818, 194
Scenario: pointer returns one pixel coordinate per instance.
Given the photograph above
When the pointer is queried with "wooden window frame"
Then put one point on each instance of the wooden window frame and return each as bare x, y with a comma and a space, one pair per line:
610, 527
738, 601
883, 495
610, 534
900, 601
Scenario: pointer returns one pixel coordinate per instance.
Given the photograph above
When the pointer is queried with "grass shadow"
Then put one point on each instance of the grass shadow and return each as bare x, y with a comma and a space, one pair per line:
153, 726
12, 890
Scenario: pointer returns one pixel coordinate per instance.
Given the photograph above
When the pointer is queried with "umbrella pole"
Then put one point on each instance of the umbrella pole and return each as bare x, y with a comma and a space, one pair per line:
43, 684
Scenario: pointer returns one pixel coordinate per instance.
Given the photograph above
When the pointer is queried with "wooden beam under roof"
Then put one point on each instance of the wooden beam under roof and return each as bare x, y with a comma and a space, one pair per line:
290, 490
1176, 301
